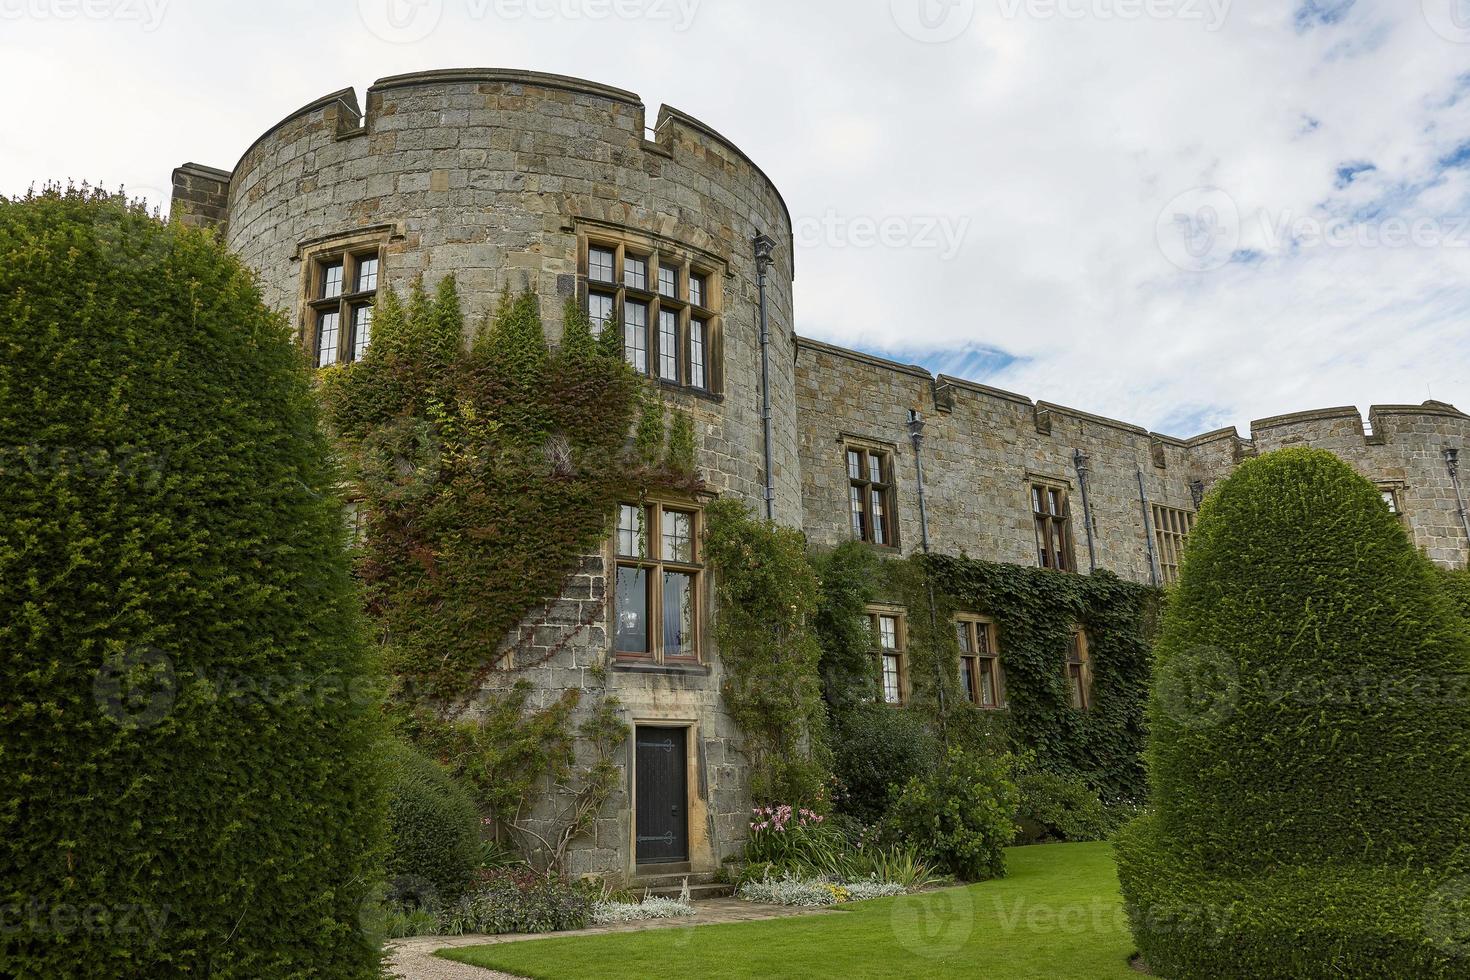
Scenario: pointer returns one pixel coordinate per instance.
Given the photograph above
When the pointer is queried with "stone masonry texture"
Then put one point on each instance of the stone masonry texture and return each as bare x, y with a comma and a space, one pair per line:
493, 176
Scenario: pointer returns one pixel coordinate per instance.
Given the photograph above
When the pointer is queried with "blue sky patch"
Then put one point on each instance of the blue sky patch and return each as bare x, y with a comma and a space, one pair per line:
1348, 172
1321, 13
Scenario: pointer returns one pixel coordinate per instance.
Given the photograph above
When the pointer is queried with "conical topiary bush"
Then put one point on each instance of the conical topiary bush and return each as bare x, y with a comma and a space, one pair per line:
187, 716
1309, 746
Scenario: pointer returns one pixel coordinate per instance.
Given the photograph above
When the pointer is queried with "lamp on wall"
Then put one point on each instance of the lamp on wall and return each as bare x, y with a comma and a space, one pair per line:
916, 436
765, 250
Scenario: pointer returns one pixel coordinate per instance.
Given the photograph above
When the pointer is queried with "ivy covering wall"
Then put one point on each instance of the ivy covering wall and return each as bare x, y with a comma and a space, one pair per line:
1035, 612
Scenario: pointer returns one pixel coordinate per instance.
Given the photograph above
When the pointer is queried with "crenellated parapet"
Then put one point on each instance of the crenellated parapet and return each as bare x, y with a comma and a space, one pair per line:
985, 448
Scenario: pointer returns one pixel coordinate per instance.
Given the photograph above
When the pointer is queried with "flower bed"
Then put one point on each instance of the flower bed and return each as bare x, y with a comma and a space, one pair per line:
790, 889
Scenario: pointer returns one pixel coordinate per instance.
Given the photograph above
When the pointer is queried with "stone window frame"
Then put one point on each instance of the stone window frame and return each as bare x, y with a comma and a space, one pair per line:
899, 652
351, 250
688, 263
970, 629
888, 468
1392, 492
1046, 523
1172, 527
1078, 670
653, 563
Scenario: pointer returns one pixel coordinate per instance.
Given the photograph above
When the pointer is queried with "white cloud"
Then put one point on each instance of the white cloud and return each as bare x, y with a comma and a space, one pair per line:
1054, 141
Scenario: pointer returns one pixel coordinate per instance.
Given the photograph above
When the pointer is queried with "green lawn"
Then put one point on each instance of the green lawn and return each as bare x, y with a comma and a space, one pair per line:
1057, 914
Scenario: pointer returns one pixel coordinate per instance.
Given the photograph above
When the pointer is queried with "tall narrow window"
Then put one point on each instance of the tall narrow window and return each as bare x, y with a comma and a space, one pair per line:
696, 354
1391, 500
870, 495
1171, 530
340, 289
669, 327
891, 641
980, 671
362, 330
599, 311
1079, 671
668, 345
635, 335
658, 584
1053, 519
328, 330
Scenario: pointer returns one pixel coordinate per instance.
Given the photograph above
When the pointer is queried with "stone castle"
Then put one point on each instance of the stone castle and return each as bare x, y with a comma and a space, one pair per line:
518, 180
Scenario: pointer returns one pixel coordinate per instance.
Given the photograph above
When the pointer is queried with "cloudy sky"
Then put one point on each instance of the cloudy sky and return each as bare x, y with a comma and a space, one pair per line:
1184, 213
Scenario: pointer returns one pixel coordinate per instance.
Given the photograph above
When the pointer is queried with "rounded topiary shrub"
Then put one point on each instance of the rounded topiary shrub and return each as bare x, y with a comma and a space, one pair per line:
433, 833
1309, 745
187, 785
877, 750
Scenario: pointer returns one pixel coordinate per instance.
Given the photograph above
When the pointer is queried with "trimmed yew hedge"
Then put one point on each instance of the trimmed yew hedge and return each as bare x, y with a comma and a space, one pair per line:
1309, 743
433, 832
187, 715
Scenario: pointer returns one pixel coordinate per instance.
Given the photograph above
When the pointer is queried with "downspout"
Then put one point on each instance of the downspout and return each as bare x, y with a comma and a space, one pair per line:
1452, 463
1148, 530
1080, 461
916, 436
764, 249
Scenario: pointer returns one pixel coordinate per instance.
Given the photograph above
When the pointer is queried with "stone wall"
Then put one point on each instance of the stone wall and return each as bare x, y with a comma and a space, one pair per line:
984, 446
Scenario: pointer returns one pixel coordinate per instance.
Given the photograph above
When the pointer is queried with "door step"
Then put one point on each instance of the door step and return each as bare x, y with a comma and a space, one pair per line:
701, 885
696, 892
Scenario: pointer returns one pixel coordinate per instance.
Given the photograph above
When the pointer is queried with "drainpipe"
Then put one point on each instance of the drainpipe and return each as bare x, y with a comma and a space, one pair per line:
1080, 461
1452, 463
1148, 530
765, 248
916, 436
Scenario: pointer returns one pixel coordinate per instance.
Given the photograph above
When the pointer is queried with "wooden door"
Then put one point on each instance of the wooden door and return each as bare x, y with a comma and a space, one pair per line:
662, 796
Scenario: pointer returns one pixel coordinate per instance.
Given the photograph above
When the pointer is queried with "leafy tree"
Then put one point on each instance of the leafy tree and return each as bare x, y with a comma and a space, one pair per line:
1310, 743
187, 783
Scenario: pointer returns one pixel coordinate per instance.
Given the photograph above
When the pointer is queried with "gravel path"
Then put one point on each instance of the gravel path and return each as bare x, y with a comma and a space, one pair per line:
414, 959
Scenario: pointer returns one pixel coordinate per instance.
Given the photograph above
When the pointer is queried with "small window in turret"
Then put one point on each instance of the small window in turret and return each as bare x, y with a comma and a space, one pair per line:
341, 288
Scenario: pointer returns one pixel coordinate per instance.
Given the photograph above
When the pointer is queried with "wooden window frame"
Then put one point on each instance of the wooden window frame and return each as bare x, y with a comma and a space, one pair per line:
655, 565
346, 304
661, 257
1049, 526
866, 488
1079, 665
1172, 527
900, 650
975, 627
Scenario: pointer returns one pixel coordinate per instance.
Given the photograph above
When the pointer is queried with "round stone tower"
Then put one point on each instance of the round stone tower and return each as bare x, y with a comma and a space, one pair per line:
524, 181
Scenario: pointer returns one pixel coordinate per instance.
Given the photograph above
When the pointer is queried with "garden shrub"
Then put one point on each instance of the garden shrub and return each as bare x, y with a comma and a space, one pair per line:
879, 748
187, 730
433, 832
652, 907
1310, 743
1060, 808
962, 815
510, 900
795, 890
